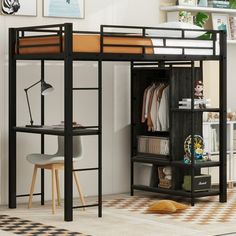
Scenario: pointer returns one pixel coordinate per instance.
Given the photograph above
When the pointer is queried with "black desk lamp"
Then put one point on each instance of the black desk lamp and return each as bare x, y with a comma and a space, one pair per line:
45, 89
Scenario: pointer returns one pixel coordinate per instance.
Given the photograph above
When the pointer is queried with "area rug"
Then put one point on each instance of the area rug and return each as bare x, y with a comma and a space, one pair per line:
20, 226
206, 210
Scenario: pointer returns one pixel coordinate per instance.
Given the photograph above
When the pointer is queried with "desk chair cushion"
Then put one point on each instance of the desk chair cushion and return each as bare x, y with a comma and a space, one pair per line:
44, 159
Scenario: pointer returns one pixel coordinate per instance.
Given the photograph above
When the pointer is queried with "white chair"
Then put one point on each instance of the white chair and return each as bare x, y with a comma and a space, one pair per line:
54, 163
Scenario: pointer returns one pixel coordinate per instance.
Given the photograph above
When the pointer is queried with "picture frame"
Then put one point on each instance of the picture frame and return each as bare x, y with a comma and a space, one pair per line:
64, 8
192, 3
22, 8
221, 22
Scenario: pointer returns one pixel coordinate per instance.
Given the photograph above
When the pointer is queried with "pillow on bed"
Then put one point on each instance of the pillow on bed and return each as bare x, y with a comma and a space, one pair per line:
176, 33
166, 207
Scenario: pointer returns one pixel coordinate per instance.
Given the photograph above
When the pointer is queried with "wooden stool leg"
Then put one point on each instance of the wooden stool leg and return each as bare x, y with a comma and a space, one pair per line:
32, 186
79, 189
53, 190
58, 188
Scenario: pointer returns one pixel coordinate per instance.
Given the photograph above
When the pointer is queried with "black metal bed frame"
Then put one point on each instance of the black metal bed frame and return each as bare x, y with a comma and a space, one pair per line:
66, 54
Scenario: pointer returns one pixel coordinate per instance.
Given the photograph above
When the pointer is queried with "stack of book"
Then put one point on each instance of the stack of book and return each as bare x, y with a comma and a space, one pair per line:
218, 4
232, 22
198, 103
153, 145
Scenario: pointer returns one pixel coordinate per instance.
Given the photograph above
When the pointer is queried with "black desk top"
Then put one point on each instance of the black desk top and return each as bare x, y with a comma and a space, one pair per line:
50, 130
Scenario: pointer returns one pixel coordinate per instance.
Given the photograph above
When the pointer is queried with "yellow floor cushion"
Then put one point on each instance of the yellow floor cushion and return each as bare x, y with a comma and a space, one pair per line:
166, 207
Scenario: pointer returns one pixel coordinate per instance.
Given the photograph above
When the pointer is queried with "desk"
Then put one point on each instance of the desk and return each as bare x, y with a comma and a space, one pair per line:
50, 130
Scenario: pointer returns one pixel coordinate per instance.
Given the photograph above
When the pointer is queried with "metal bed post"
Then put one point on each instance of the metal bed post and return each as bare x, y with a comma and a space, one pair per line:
223, 117
100, 125
192, 133
100, 138
42, 135
132, 151
68, 116
12, 119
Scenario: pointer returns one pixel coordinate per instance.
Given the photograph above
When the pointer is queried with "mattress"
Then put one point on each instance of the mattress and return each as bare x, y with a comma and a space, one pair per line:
190, 47
91, 44
86, 44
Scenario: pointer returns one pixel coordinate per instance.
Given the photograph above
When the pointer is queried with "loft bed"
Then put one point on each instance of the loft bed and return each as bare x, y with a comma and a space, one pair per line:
141, 46
129, 43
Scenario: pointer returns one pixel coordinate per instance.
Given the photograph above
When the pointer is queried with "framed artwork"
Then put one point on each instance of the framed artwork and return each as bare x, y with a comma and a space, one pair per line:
63, 8
187, 3
19, 7
221, 22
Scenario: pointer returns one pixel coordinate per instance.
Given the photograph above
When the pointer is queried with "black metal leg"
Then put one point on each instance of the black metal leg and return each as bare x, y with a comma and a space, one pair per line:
223, 118
132, 135
132, 179
68, 116
42, 136
12, 120
192, 201
100, 139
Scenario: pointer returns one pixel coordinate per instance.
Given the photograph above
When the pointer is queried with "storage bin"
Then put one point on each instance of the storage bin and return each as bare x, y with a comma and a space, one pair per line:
200, 183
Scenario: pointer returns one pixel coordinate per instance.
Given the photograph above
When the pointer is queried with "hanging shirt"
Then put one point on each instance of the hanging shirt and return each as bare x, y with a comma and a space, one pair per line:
143, 118
149, 120
163, 112
153, 109
159, 95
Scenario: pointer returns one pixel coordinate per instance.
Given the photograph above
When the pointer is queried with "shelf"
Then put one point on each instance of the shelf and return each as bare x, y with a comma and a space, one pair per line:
196, 110
153, 159
204, 9
211, 192
52, 131
231, 41
217, 122
197, 165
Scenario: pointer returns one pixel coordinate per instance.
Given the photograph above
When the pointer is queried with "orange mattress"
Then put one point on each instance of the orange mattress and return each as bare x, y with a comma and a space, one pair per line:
86, 44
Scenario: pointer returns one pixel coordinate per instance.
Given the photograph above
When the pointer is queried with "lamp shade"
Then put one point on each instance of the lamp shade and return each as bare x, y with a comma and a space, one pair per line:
46, 88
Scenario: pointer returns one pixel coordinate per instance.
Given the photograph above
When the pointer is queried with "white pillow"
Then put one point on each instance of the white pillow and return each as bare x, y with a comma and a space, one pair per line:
176, 33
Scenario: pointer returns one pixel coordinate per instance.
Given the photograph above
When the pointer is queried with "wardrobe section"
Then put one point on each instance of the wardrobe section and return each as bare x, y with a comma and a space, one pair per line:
159, 127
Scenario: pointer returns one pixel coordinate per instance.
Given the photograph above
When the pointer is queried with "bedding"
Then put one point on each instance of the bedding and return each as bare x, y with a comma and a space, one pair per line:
91, 44
86, 43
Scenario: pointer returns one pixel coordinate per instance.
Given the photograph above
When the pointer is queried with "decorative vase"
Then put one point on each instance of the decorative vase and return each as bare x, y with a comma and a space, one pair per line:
202, 3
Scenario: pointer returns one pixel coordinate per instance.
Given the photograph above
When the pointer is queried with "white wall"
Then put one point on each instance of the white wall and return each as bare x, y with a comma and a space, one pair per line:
115, 98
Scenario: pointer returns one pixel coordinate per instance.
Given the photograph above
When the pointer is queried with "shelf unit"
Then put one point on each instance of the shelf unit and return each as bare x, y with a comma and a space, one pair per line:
183, 122
231, 148
204, 9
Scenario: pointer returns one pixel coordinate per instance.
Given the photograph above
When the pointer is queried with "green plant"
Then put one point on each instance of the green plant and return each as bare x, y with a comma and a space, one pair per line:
201, 18
232, 3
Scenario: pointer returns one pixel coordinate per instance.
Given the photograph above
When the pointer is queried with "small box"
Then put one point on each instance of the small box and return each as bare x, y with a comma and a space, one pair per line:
200, 183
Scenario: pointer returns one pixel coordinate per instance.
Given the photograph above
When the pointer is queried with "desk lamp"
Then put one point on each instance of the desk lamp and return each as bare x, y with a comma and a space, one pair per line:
45, 89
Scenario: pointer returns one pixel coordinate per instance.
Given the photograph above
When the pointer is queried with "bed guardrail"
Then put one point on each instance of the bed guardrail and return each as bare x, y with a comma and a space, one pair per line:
155, 34
179, 35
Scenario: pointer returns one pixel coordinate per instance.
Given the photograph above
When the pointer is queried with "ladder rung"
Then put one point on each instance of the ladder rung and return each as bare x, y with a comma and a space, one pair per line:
92, 205
27, 195
85, 88
86, 169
